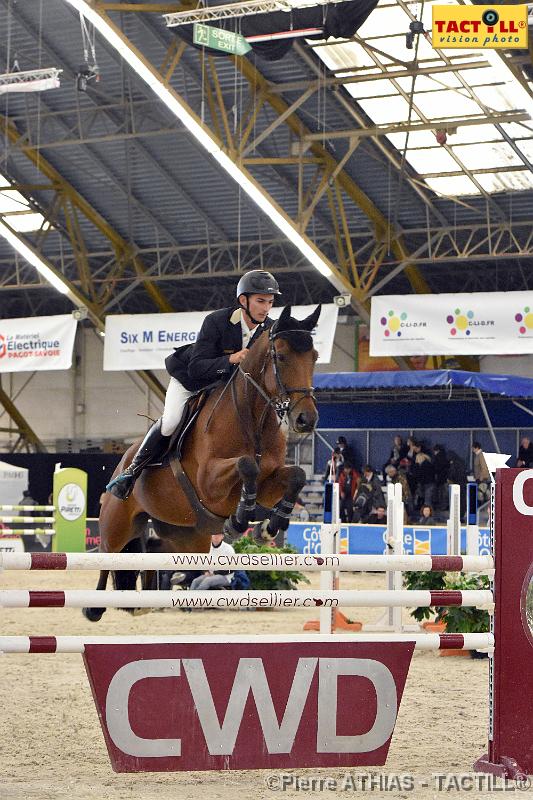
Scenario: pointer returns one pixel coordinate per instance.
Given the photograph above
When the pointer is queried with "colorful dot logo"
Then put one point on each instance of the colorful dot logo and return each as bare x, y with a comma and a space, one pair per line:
459, 322
525, 320
392, 323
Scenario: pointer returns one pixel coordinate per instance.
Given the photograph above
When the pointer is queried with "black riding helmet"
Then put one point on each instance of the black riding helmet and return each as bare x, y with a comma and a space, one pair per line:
257, 281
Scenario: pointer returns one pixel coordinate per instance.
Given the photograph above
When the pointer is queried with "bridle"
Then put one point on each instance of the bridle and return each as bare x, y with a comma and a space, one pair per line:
281, 402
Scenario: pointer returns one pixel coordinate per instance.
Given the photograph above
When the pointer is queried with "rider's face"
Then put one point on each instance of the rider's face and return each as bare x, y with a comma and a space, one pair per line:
259, 305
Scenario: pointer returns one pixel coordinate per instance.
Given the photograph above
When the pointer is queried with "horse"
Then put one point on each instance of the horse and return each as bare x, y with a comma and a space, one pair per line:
232, 456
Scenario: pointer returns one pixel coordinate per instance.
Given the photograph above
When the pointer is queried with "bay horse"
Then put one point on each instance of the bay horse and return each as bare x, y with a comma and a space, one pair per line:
233, 456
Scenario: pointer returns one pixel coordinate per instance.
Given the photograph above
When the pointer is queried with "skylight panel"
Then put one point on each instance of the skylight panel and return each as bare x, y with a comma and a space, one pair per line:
452, 186
435, 159
506, 181
394, 109
485, 156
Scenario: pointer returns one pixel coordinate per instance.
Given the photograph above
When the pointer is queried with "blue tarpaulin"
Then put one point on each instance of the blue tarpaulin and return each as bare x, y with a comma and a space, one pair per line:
506, 385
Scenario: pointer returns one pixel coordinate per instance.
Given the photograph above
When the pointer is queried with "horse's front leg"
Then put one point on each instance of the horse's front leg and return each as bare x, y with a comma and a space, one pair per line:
236, 524
285, 483
221, 480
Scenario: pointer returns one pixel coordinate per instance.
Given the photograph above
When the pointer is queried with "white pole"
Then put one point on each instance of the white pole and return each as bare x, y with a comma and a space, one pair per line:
453, 525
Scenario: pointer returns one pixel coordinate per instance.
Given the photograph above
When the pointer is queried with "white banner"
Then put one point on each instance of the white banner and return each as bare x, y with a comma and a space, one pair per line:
37, 343
452, 324
143, 341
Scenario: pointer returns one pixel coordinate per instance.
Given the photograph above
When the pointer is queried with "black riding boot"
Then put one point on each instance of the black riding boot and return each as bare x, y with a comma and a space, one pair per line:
152, 448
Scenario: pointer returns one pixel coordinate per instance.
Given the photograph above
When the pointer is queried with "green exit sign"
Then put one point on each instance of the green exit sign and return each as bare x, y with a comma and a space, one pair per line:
219, 39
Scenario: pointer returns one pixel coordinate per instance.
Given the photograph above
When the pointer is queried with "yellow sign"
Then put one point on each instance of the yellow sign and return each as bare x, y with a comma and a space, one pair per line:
484, 27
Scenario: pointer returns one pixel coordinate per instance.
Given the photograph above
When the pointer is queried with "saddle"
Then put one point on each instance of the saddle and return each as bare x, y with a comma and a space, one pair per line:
194, 405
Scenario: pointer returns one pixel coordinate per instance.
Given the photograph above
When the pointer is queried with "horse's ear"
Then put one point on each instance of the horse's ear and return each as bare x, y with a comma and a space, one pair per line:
310, 322
283, 318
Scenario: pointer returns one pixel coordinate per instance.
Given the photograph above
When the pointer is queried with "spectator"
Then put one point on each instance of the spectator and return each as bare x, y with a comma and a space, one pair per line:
346, 450
441, 467
369, 494
348, 483
30, 539
426, 516
378, 516
481, 472
457, 473
338, 461
219, 579
299, 512
525, 453
399, 451
424, 477
394, 475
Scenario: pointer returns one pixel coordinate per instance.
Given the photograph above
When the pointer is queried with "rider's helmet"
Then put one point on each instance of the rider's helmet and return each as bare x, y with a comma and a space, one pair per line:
257, 281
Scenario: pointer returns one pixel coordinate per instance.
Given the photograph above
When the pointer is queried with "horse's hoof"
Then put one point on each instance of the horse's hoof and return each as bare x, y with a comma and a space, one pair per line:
93, 614
260, 532
231, 531
139, 612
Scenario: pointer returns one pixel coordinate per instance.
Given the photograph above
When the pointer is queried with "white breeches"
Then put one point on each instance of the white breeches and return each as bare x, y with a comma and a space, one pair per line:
175, 400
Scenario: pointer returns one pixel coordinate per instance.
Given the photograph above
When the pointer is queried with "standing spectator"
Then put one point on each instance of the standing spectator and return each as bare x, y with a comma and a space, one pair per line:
424, 476
441, 468
525, 453
219, 579
457, 473
348, 483
338, 461
398, 452
481, 472
378, 516
394, 475
369, 494
346, 450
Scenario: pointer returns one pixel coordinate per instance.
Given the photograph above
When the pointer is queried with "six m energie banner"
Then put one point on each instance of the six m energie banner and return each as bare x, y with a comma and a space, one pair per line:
143, 341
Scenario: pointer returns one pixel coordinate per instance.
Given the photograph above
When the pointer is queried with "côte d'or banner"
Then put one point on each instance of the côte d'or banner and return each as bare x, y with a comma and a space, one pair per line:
452, 324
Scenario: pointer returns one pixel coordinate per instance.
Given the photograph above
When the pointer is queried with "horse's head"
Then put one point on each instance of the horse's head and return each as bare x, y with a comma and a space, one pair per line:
293, 359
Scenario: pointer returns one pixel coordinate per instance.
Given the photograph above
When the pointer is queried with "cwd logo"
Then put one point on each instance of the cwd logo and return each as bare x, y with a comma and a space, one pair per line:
3, 348
460, 322
525, 320
392, 323
242, 704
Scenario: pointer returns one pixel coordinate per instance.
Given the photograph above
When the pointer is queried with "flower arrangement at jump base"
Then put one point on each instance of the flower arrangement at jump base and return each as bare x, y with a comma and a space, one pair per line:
269, 579
453, 619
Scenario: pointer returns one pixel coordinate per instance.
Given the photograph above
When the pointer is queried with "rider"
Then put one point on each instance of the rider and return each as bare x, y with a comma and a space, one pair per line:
222, 343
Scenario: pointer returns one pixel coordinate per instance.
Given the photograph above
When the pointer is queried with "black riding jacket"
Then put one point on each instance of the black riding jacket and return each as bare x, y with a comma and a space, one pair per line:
207, 360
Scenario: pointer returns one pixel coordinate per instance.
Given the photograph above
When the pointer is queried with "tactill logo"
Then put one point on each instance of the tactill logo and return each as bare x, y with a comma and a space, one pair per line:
3, 348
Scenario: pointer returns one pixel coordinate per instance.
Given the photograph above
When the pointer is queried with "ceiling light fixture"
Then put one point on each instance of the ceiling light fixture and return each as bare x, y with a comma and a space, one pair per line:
32, 258
133, 57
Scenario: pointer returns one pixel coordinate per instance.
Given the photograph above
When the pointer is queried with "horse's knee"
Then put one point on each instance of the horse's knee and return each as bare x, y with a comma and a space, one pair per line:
297, 480
247, 469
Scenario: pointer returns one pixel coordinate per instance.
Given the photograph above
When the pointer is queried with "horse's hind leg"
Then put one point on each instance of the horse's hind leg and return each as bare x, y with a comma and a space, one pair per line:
237, 523
95, 614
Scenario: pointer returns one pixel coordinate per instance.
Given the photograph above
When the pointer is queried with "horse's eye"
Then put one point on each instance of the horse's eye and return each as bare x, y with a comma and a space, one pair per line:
281, 358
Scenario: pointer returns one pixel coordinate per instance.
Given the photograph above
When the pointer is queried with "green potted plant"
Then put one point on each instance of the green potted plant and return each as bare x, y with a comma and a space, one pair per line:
269, 579
463, 619
434, 581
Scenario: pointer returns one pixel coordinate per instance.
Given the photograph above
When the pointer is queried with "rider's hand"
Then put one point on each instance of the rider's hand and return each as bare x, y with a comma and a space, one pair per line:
238, 358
